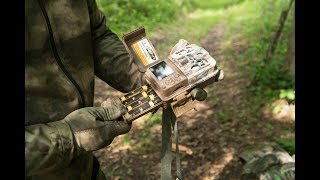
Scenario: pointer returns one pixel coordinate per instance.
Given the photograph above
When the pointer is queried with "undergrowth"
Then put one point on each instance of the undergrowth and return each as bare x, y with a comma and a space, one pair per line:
125, 15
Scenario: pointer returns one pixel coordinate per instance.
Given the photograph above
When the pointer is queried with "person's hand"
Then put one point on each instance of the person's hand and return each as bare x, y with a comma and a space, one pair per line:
96, 127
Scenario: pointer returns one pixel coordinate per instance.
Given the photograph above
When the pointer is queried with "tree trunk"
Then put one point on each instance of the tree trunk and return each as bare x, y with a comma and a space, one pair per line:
274, 41
290, 58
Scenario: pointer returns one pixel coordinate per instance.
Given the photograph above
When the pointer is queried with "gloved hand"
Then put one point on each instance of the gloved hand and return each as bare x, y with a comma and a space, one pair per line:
96, 127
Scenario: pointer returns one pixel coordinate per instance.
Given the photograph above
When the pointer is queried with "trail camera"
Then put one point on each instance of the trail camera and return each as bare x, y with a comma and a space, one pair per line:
172, 81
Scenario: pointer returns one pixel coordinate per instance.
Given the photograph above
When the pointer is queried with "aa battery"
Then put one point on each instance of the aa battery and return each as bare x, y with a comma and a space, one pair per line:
142, 100
136, 97
151, 98
132, 99
134, 92
145, 106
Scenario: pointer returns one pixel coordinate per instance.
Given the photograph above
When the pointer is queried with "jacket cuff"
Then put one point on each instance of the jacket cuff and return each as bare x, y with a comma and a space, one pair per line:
65, 140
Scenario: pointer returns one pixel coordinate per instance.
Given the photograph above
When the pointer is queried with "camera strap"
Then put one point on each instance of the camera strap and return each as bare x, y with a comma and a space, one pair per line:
168, 122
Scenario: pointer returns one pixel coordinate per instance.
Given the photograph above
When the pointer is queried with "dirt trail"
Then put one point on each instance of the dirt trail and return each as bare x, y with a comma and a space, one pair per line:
215, 133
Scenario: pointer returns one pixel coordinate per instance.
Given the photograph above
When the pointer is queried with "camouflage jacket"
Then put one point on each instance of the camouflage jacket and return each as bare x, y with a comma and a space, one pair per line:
267, 162
67, 43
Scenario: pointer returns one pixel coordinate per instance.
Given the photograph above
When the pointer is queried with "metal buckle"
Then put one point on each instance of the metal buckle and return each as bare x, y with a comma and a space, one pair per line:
182, 103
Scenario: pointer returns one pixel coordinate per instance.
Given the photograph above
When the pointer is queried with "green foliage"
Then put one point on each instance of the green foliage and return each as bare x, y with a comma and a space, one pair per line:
241, 114
287, 144
126, 139
223, 117
108, 173
145, 136
216, 4
145, 133
287, 93
253, 24
286, 132
269, 126
125, 15
155, 119
268, 129
272, 78
278, 108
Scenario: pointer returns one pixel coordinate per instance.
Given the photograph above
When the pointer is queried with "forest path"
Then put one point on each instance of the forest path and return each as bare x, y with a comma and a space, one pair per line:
212, 136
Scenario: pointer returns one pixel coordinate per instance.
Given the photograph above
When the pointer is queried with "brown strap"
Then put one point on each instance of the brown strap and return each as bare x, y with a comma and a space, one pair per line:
169, 122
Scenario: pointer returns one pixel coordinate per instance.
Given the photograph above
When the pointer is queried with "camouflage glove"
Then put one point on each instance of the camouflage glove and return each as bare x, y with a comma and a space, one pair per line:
96, 127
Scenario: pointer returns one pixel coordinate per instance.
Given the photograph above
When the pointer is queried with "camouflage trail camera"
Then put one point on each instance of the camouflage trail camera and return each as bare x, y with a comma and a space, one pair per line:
172, 81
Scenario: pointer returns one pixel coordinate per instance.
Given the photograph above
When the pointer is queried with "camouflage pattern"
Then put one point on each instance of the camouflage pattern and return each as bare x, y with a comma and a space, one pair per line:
267, 162
67, 43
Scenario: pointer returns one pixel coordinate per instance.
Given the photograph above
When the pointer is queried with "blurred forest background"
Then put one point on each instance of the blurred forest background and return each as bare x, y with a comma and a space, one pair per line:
253, 41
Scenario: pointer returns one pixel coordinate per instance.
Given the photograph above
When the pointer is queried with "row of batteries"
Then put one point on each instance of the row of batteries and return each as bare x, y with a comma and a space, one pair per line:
140, 100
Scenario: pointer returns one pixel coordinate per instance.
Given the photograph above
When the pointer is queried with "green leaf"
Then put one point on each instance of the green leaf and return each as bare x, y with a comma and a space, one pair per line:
287, 144
289, 94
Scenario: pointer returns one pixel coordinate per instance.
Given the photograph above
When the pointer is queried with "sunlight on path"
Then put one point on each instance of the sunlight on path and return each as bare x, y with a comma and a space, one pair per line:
217, 167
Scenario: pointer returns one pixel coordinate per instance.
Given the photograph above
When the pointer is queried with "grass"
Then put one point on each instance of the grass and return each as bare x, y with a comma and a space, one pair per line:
124, 15
216, 4
144, 144
223, 117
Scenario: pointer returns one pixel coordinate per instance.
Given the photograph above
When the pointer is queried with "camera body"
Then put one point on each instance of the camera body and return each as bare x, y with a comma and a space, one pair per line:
171, 80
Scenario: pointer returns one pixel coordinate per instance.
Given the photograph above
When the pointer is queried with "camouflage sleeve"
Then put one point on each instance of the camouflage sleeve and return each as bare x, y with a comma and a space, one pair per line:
47, 147
112, 61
